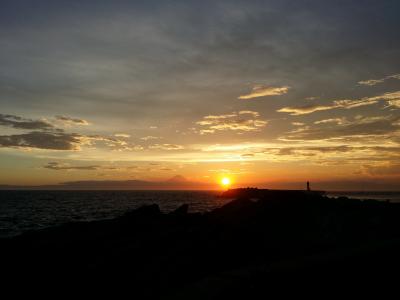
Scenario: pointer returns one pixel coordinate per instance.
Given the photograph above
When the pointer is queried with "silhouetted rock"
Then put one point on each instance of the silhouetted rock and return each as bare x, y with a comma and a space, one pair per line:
144, 211
181, 210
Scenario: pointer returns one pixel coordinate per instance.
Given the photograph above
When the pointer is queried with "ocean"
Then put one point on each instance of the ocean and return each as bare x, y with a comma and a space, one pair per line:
392, 196
31, 210
21, 211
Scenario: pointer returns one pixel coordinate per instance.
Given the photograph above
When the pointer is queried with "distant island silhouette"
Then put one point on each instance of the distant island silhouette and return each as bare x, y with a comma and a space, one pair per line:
176, 182
258, 242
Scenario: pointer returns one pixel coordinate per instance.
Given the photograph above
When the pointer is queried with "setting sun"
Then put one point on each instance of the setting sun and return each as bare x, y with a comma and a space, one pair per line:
225, 181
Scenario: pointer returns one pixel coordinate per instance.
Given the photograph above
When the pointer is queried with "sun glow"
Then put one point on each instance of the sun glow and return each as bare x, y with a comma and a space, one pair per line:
225, 181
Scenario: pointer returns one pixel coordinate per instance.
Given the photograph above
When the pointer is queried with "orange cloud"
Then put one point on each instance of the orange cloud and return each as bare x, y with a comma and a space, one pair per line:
264, 91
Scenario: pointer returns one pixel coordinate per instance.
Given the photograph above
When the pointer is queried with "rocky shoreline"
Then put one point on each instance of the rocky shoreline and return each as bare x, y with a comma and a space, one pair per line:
243, 249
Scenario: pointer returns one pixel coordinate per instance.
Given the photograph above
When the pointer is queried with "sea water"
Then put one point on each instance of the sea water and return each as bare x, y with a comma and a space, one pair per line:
31, 210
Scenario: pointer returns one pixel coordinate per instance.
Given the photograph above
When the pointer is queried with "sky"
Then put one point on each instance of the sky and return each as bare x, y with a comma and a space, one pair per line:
268, 93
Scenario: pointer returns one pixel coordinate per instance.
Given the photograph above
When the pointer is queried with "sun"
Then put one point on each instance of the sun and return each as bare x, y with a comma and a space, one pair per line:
226, 181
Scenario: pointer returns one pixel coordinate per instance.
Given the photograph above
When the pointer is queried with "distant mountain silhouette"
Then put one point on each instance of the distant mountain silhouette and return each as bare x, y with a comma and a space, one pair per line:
177, 178
176, 182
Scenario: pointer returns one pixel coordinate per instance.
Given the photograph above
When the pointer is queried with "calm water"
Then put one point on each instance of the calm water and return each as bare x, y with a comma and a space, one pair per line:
26, 210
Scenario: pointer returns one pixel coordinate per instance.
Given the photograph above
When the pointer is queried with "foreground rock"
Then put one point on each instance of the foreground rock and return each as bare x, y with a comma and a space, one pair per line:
246, 248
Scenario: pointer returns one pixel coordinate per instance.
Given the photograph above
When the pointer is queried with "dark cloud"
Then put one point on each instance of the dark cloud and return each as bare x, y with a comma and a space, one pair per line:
22, 123
48, 136
326, 149
306, 150
265, 91
42, 140
286, 151
70, 120
65, 167
60, 166
200, 52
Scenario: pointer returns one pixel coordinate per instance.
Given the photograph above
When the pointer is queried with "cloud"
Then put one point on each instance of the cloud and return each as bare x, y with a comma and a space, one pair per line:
386, 169
47, 136
334, 120
348, 104
389, 97
394, 103
372, 82
219, 117
249, 112
59, 166
360, 126
263, 91
18, 122
303, 110
327, 149
72, 121
115, 144
312, 98
245, 121
66, 167
123, 135
247, 155
332, 154
297, 124
60, 140
23, 123
307, 151
386, 96
166, 169
168, 147
150, 137
43, 140
321, 152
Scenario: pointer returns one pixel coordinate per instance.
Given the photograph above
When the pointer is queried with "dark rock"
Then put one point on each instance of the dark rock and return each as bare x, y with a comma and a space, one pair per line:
181, 210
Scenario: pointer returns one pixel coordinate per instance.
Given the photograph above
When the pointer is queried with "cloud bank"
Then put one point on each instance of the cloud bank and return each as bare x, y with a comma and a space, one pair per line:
392, 99
66, 167
72, 121
372, 82
42, 140
23, 123
264, 91
242, 121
